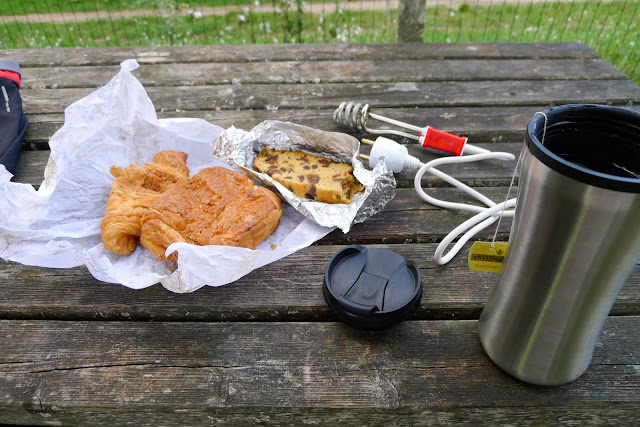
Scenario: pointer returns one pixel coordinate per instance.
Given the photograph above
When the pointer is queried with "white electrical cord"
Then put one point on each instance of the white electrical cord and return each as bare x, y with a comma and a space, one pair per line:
484, 216
397, 158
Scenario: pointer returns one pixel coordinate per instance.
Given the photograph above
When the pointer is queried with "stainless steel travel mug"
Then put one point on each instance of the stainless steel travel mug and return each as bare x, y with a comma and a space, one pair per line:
574, 241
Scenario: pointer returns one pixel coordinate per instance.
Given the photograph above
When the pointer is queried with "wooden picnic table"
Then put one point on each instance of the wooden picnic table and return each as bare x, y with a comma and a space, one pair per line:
267, 349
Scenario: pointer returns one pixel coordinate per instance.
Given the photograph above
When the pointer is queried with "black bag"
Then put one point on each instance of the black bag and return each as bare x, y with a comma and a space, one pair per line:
13, 122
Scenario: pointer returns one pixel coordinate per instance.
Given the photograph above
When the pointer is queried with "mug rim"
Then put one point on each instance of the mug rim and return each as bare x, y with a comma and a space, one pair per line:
573, 170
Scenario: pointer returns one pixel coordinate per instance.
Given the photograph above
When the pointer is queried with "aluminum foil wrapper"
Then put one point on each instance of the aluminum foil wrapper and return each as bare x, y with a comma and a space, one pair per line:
240, 148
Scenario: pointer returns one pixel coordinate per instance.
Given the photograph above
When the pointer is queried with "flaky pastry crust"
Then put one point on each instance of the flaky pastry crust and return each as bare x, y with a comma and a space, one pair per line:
133, 191
217, 206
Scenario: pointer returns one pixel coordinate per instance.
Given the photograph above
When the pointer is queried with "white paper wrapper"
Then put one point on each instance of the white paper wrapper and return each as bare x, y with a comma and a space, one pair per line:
240, 148
59, 224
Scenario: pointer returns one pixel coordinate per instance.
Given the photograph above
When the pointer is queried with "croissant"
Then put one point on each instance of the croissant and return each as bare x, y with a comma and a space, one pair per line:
134, 189
217, 206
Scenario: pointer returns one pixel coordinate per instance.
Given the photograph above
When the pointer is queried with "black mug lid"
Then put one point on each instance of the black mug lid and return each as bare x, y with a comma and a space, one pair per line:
597, 145
371, 288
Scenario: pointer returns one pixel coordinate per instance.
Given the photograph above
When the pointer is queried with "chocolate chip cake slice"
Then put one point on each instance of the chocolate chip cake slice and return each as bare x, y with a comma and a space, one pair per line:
309, 176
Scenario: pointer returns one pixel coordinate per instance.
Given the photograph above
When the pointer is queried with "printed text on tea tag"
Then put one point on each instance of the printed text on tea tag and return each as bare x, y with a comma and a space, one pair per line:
487, 256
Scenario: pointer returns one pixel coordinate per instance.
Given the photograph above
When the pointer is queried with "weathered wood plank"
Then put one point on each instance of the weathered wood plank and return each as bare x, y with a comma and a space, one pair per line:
409, 227
491, 173
287, 290
333, 71
480, 124
620, 413
330, 95
79, 369
295, 52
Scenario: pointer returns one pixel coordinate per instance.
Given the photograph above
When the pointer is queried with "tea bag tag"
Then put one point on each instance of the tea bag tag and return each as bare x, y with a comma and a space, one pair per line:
487, 256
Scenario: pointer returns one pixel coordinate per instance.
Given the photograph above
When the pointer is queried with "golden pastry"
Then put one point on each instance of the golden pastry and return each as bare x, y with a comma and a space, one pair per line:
217, 206
134, 189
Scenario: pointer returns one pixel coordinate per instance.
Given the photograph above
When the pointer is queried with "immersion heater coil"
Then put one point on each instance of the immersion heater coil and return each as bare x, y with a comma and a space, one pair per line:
356, 116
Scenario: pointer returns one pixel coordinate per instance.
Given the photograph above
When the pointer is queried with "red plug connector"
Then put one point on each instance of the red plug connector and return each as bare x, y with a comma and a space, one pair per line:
443, 141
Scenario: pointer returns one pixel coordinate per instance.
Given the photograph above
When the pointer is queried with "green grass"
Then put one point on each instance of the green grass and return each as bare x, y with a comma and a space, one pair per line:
612, 29
24, 7
286, 25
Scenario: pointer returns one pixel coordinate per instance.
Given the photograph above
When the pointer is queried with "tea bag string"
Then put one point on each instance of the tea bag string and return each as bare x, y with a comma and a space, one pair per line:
513, 177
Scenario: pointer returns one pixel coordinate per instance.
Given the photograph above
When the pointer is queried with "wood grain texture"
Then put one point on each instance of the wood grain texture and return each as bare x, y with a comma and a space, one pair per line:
81, 369
384, 94
288, 289
330, 71
587, 414
480, 124
291, 52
